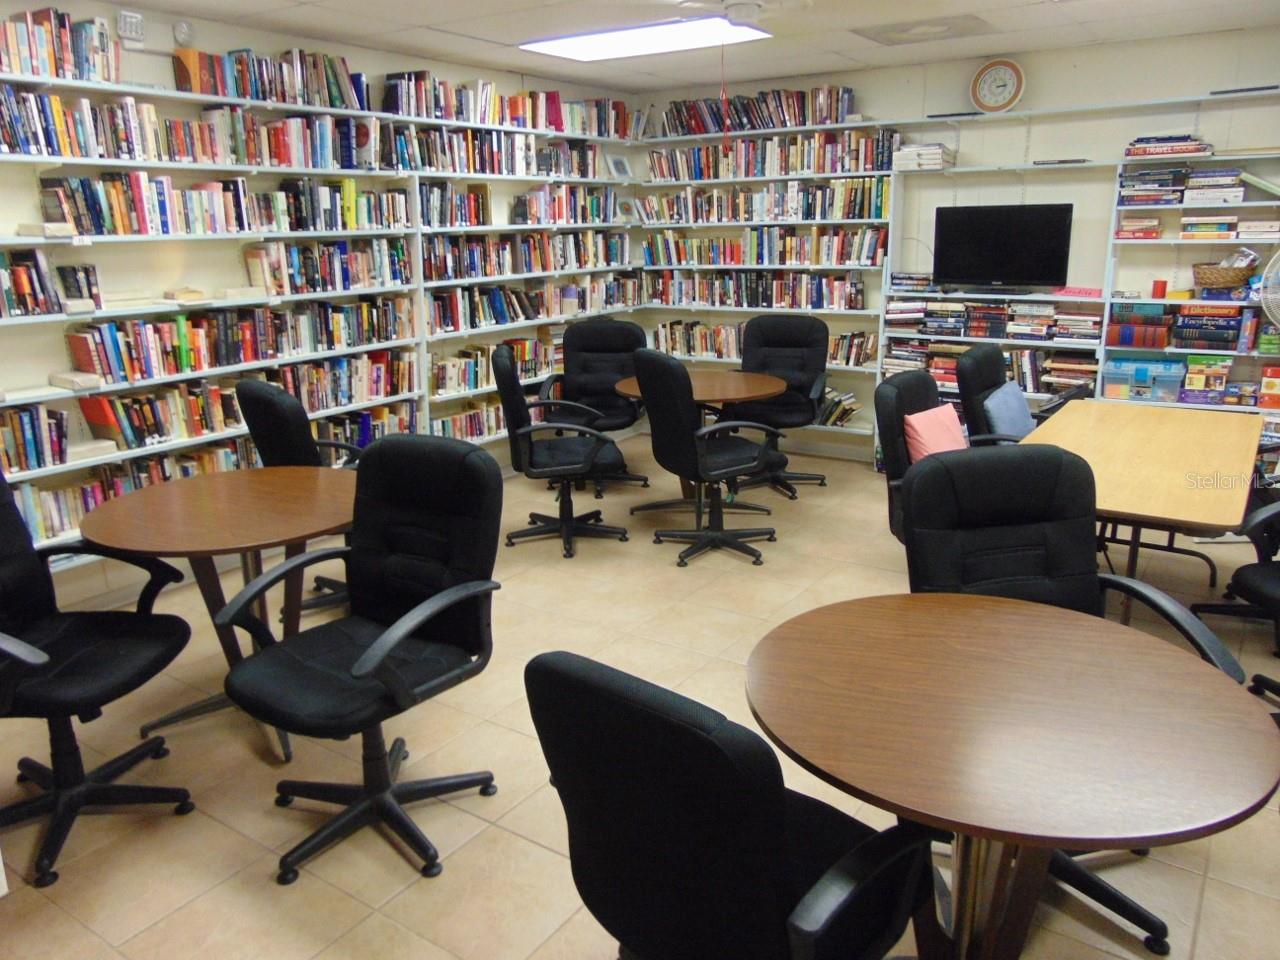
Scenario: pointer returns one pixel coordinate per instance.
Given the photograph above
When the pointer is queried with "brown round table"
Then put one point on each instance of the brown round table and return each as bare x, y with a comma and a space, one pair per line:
719, 386
239, 512
1022, 728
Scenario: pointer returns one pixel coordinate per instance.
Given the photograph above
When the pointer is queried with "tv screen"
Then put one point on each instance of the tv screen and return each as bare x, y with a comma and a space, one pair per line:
1008, 246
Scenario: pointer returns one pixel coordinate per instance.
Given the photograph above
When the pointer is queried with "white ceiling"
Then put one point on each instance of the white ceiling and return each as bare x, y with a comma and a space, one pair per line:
809, 36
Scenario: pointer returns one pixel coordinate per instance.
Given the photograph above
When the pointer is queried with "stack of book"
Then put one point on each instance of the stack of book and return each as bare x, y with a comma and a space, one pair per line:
1139, 228
923, 156
1177, 145
1213, 188
904, 314
1077, 326
1030, 321
1067, 370
988, 320
942, 367
838, 408
1152, 186
945, 318
1258, 230
1201, 327
1217, 227
1138, 325
905, 355
911, 282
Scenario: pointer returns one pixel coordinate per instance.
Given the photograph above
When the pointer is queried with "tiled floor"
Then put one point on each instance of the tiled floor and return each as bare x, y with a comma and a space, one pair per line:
148, 885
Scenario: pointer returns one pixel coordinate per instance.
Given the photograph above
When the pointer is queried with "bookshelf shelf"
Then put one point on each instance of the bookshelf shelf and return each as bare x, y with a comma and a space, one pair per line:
480, 391
484, 228
1025, 297
1211, 158
732, 224
1197, 206
1168, 301
515, 277
836, 367
800, 267
1014, 168
526, 324
667, 140
1175, 242
779, 178
1019, 344
705, 308
93, 239
1188, 350
856, 429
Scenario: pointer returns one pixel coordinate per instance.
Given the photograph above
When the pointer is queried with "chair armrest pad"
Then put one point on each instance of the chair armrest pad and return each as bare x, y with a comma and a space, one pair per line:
153, 565
567, 405
819, 387
236, 612
714, 428
22, 651
353, 452
1260, 519
549, 384
395, 634
1193, 629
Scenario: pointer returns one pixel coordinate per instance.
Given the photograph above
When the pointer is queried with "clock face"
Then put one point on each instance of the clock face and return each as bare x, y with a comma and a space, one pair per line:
997, 86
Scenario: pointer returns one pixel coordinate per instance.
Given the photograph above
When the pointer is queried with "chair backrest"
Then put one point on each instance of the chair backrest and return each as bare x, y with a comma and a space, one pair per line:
667, 392
676, 816
597, 354
515, 406
26, 588
426, 518
791, 346
980, 371
278, 424
896, 398
1008, 521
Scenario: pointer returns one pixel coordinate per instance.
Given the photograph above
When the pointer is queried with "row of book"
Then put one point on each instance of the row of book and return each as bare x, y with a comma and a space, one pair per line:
846, 151
479, 307
1183, 186
342, 381
48, 43
327, 266
858, 349
312, 79
851, 199
766, 110
185, 410
129, 351
758, 289
478, 420
1035, 371
471, 367
694, 338
456, 258
838, 408
780, 246
28, 285
567, 159
566, 204
1014, 321
433, 150
32, 436
1186, 326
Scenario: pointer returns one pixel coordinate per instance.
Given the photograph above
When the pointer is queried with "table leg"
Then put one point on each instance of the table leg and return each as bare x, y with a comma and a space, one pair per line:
996, 888
1131, 570
292, 611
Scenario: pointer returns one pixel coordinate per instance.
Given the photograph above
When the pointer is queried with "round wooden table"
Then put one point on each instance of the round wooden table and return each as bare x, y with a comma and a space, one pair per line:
239, 512
1022, 728
719, 386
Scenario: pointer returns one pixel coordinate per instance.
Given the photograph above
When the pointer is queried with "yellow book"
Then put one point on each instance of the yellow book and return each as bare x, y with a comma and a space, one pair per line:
349, 202
60, 125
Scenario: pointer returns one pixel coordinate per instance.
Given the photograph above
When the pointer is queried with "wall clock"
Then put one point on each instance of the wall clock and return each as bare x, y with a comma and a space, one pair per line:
997, 86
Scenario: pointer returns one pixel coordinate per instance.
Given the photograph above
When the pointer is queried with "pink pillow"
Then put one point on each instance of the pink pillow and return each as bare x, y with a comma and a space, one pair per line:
933, 431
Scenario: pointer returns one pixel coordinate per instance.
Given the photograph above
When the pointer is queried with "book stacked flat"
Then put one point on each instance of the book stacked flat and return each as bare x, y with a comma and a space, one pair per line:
1213, 188
1202, 327
923, 156
1217, 227
905, 314
1178, 145
1152, 186
838, 408
1138, 325
1077, 326
1030, 321
905, 355
1139, 228
1258, 230
908, 282
943, 370
945, 318
988, 320
1068, 370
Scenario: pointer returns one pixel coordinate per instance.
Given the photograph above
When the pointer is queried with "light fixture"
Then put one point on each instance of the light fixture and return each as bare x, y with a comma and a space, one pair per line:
644, 41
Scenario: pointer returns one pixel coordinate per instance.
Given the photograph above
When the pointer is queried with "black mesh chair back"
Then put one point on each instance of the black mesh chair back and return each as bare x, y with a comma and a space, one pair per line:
597, 354
26, 589
980, 371
1012, 521
515, 408
791, 346
278, 424
896, 398
673, 414
677, 820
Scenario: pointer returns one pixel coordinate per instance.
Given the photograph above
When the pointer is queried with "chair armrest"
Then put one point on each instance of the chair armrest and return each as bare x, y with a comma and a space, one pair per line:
701, 436
22, 651
238, 611
353, 452
988, 439
371, 662
1193, 629
819, 387
549, 384
571, 469
161, 574
821, 908
568, 405
1260, 519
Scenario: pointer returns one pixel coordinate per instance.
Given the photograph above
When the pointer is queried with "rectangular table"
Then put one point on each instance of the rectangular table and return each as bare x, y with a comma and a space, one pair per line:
1163, 468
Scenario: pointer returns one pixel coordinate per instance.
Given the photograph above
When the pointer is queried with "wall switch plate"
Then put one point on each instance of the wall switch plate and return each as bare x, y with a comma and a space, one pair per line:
130, 28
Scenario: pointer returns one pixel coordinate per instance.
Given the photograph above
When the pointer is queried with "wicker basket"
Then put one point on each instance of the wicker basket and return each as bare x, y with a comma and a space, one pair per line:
1212, 275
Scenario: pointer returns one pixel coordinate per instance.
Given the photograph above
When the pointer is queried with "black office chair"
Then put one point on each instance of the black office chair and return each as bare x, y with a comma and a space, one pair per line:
281, 430
704, 456
423, 543
793, 347
56, 666
684, 843
1020, 522
597, 354
587, 455
980, 371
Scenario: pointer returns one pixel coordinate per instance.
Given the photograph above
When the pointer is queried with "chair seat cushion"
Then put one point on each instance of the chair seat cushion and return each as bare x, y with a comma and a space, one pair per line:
790, 409
555, 452
95, 658
304, 684
817, 835
1258, 583
734, 450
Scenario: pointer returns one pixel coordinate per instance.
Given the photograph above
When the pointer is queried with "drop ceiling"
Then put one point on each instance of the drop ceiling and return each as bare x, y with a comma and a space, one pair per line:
821, 36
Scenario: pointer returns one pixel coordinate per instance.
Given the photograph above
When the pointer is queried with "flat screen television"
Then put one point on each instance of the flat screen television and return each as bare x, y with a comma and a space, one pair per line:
1025, 245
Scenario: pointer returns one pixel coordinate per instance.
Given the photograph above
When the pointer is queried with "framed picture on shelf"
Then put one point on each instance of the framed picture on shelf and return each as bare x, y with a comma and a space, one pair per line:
626, 211
619, 166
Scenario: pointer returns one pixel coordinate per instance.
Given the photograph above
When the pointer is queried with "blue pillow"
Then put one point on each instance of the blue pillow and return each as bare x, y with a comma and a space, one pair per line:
1007, 411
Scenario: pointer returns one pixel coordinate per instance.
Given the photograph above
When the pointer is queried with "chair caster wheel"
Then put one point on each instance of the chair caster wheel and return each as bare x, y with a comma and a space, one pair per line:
1157, 946
46, 878
758, 562
286, 877
623, 538
645, 485
822, 483
657, 539
532, 522
511, 543
160, 753
432, 869
185, 807
283, 801
1253, 688
772, 539
682, 563
488, 790
568, 554
599, 496
23, 778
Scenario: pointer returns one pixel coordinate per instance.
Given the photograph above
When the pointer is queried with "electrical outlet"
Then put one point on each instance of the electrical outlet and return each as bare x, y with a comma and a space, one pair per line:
130, 28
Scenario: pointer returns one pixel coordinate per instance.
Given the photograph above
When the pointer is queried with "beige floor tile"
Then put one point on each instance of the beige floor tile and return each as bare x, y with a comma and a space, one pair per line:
516, 717
721, 685
540, 818
500, 684
740, 650
373, 865
251, 917
1044, 944
383, 939
457, 909
1248, 855
514, 759
1193, 856
700, 627
117, 729
754, 596
33, 928
428, 726
1236, 923
659, 663
582, 938
125, 886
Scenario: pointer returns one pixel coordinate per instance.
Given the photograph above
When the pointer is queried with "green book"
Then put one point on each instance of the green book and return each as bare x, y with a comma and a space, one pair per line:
184, 345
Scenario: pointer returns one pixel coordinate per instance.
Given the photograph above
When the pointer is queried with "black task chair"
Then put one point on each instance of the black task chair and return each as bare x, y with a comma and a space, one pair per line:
704, 456
58, 666
793, 347
421, 552
281, 430
685, 844
1020, 522
980, 371
597, 354
587, 455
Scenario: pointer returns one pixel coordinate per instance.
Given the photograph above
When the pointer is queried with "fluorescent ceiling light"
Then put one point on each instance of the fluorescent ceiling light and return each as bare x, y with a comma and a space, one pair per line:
643, 41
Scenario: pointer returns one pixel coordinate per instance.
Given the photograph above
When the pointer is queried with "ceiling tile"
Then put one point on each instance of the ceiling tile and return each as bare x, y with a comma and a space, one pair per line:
326, 23
214, 9
1238, 16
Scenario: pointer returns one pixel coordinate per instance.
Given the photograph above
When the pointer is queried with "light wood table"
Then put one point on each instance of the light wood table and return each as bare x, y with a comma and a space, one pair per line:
1163, 468
1022, 728
240, 512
